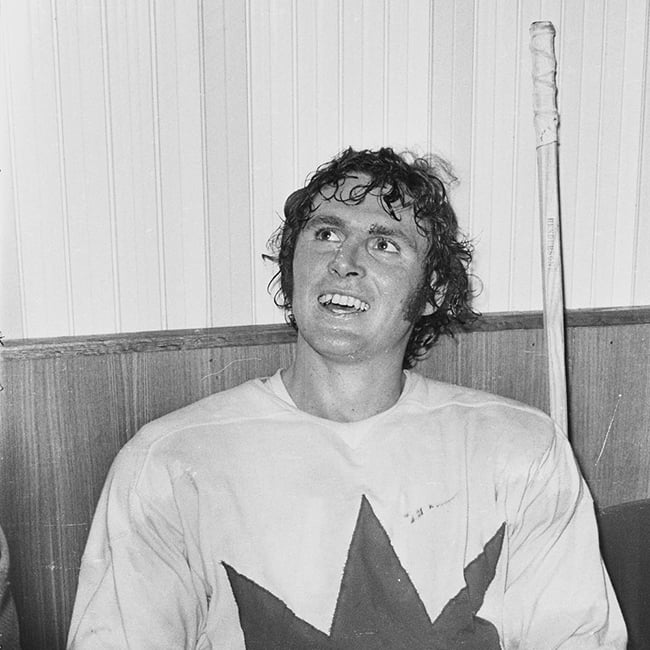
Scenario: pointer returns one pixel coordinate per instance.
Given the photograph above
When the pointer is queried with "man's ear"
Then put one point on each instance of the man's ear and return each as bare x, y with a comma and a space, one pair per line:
428, 309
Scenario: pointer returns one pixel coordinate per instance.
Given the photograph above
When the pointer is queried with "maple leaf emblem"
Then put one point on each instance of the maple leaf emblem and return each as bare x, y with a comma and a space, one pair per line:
378, 606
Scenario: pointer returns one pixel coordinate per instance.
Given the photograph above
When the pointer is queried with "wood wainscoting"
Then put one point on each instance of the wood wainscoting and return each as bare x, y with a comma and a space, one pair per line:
68, 405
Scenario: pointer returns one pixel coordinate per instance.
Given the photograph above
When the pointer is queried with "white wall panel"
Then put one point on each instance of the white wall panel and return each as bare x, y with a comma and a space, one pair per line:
86, 165
36, 176
228, 197
641, 221
149, 146
11, 289
319, 32
629, 142
351, 71
609, 155
178, 99
134, 140
272, 78
524, 281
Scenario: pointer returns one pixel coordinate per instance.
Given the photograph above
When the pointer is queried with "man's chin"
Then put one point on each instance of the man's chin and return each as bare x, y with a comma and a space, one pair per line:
350, 346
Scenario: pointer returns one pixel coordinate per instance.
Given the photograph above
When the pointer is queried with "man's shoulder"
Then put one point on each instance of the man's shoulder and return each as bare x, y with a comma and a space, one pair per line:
244, 401
444, 392
185, 436
484, 410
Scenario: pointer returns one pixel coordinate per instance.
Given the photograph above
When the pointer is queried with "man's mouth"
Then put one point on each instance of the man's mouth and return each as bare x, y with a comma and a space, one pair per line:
342, 303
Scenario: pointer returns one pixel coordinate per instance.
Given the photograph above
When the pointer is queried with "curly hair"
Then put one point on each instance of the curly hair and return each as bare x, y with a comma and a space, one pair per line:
406, 181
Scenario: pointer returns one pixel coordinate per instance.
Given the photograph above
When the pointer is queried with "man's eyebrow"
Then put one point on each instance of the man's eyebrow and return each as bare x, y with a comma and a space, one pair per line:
382, 229
326, 220
387, 231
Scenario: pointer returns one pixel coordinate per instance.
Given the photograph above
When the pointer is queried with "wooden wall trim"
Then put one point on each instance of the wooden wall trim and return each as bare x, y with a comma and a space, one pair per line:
531, 320
157, 341
251, 335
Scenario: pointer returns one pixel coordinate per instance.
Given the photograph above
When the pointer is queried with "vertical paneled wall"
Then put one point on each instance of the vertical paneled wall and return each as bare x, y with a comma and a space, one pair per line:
147, 147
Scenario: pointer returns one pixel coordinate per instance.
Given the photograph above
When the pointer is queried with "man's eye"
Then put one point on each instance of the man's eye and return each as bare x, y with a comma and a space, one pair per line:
326, 234
386, 246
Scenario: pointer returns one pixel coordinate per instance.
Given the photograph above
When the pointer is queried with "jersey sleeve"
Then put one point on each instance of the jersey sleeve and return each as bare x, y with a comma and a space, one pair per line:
558, 593
136, 588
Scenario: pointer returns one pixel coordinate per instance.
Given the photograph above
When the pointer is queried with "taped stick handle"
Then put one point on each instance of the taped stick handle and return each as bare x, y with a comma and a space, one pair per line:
542, 35
546, 120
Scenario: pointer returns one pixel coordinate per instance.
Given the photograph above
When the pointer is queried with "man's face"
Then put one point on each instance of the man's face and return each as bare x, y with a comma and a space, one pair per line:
356, 274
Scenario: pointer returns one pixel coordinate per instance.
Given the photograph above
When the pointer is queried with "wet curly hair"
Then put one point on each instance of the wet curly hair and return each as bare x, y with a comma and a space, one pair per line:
405, 181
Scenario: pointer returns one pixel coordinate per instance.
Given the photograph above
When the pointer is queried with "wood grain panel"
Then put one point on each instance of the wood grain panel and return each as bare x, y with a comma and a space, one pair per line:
609, 382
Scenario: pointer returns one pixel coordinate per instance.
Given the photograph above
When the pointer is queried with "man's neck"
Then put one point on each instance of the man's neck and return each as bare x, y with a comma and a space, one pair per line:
344, 391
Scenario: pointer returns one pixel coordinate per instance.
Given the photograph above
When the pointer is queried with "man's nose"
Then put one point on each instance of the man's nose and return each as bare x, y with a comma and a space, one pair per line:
347, 260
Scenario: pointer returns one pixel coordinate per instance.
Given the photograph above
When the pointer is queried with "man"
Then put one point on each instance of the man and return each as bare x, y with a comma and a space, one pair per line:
347, 502
9, 635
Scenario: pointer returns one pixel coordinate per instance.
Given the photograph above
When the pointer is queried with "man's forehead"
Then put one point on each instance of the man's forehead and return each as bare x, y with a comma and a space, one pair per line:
353, 189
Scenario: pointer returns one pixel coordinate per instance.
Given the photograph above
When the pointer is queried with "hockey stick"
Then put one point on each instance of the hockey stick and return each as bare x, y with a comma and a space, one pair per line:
546, 122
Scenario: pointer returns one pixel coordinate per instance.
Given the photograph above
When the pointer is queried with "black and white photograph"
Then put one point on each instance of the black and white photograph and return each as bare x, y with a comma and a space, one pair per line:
324, 324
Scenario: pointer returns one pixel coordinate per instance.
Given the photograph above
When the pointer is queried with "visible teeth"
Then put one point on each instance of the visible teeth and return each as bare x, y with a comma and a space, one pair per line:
343, 301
